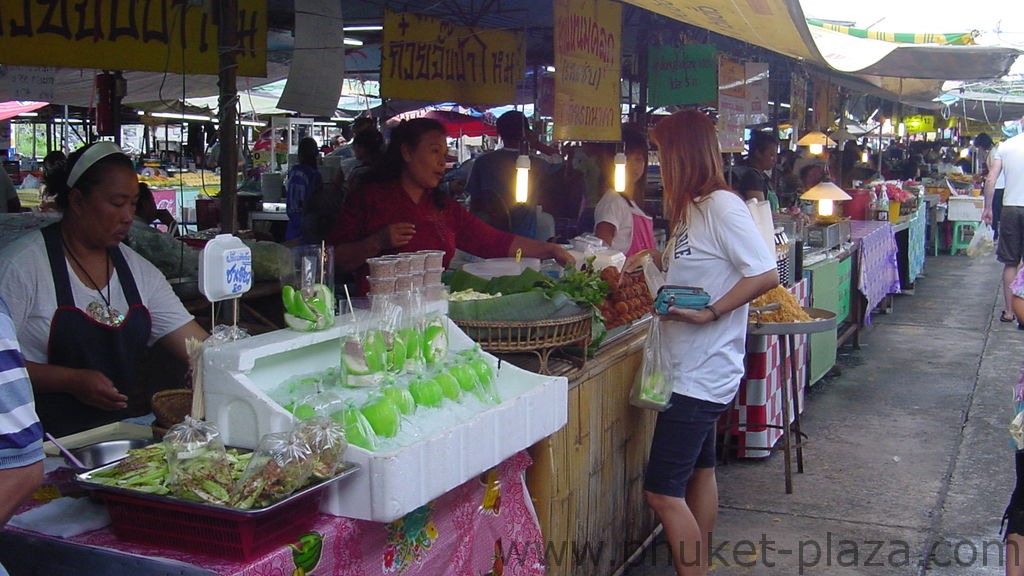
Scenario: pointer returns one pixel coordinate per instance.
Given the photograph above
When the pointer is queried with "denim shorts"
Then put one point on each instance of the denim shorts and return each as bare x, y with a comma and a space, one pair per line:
684, 439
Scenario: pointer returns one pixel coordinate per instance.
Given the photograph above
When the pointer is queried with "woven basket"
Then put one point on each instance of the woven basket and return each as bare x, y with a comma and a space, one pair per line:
540, 337
170, 407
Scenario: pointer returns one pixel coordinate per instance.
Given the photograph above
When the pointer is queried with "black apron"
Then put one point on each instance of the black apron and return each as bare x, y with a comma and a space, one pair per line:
79, 341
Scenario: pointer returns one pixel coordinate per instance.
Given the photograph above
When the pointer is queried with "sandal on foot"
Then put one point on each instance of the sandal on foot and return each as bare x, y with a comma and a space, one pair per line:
1004, 318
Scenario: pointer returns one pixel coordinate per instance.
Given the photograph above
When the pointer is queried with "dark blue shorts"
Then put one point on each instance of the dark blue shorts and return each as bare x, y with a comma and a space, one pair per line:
684, 439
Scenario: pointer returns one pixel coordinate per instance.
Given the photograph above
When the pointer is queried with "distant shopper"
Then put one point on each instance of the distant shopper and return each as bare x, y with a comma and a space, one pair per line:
751, 177
304, 181
21, 435
714, 245
983, 142
1007, 160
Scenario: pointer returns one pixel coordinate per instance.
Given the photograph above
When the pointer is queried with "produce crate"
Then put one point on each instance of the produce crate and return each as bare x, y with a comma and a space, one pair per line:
965, 208
221, 531
208, 530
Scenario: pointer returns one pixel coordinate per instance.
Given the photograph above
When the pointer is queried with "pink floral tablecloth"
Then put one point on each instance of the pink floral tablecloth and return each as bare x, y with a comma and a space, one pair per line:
486, 526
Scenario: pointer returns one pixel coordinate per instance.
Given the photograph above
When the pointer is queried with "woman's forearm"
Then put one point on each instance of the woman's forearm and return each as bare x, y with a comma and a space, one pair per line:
348, 257
50, 377
746, 290
537, 249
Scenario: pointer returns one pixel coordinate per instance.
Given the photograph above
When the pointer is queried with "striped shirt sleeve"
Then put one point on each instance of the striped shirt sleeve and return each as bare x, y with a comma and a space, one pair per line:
21, 435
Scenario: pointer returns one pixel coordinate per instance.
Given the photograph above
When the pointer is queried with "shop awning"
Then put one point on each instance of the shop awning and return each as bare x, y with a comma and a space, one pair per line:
780, 26
13, 108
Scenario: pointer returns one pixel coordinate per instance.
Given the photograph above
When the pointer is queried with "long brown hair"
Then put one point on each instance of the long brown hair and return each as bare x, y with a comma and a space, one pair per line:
691, 161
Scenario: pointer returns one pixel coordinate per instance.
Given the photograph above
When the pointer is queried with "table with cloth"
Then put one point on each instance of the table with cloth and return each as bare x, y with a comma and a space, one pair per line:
484, 526
877, 267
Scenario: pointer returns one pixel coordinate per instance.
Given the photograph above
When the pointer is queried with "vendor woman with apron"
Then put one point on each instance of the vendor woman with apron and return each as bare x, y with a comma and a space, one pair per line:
620, 221
84, 305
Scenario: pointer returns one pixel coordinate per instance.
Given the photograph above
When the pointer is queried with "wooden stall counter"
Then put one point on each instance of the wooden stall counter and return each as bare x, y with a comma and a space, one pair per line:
586, 481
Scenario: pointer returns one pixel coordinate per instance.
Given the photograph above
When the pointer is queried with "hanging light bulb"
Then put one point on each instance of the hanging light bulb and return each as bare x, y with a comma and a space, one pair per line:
965, 152
522, 178
620, 172
816, 149
901, 130
865, 157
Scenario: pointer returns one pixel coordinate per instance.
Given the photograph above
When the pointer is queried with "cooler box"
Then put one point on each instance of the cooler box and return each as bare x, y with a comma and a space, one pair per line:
965, 208
238, 375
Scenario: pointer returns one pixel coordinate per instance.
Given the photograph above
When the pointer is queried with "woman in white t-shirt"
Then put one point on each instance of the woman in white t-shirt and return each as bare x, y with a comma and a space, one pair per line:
714, 245
84, 305
620, 221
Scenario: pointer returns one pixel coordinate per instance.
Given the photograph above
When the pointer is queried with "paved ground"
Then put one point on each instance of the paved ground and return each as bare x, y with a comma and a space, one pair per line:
908, 466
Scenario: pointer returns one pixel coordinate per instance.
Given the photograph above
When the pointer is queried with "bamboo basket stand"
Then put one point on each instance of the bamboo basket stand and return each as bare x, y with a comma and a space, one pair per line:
540, 337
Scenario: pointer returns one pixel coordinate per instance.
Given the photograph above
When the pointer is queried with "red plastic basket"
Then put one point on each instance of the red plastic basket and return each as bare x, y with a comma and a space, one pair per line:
209, 530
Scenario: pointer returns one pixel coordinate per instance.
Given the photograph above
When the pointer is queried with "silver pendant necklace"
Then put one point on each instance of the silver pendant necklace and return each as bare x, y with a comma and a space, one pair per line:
103, 312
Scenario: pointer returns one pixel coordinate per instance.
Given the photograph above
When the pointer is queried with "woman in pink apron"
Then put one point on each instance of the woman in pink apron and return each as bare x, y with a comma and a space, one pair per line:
620, 221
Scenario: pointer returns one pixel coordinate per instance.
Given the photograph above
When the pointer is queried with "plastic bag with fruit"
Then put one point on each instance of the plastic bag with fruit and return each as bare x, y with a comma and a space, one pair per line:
652, 387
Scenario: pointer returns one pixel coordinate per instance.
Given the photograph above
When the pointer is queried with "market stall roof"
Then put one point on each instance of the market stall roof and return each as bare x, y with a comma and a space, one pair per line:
13, 108
780, 26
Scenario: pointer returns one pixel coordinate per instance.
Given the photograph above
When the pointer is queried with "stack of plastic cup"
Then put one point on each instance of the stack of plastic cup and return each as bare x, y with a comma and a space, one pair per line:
433, 267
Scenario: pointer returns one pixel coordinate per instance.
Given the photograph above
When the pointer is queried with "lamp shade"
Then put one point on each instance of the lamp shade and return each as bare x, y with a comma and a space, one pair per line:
825, 191
815, 138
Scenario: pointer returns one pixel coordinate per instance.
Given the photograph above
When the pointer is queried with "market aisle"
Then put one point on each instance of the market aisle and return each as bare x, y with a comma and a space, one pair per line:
908, 456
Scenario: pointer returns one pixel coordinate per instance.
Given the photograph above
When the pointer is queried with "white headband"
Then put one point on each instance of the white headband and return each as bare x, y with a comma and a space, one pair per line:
97, 152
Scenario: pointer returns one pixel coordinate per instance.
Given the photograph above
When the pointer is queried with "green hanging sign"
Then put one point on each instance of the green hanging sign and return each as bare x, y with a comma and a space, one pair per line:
682, 75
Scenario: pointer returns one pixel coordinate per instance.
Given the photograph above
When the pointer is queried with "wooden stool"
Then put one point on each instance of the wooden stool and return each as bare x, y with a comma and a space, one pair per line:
960, 227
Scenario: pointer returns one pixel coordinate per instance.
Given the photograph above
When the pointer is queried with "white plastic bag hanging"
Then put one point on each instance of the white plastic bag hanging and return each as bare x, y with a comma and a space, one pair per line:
652, 388
982, 244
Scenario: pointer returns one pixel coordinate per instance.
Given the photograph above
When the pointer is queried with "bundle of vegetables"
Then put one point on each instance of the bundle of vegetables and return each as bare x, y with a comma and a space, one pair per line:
197, 462
629, 299
146, 470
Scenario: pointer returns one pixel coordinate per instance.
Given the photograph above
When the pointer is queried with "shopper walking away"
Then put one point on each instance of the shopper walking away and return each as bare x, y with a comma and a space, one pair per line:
1007, 160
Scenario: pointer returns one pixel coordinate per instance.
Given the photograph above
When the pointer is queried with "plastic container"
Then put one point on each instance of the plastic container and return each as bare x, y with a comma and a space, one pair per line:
417, 261
435, 259
432, 278
391, 483
381, 286
382, 267
225, 268
209, 530
965, 208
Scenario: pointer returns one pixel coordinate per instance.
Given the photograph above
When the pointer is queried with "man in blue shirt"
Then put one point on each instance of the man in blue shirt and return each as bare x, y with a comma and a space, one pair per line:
21, 435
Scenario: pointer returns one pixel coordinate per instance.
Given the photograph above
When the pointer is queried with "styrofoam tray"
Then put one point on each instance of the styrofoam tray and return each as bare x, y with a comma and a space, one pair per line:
390, 484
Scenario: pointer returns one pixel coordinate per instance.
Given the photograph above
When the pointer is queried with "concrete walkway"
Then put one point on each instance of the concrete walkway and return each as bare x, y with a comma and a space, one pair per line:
909, 465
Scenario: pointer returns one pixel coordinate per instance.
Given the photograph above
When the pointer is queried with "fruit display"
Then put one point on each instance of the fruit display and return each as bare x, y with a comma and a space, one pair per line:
628, 300
309, 308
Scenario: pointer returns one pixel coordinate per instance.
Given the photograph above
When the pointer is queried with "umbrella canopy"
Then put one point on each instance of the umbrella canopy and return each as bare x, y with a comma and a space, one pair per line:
454, 123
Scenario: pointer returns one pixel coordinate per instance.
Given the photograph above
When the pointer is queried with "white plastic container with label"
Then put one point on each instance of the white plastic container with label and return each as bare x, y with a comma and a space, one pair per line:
225, 268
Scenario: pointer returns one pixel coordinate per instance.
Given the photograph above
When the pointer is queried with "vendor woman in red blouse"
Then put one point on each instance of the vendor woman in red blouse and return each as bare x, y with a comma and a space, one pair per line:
401, 209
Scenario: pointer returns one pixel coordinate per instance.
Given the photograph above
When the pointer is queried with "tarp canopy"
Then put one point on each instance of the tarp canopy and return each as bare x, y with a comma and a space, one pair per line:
780, 26
13, 108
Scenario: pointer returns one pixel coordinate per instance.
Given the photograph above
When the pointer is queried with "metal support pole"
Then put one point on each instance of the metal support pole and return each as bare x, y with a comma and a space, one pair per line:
227, 39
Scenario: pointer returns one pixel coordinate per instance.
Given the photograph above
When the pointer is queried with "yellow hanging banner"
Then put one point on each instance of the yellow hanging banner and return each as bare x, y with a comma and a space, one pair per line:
920, 123
425, 58
588, 48
155, 36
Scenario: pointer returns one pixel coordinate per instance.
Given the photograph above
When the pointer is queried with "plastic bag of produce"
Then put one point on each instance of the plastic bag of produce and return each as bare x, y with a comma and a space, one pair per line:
197, 463
281, 464
270, 261
652, 388
982, 244
326, 439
